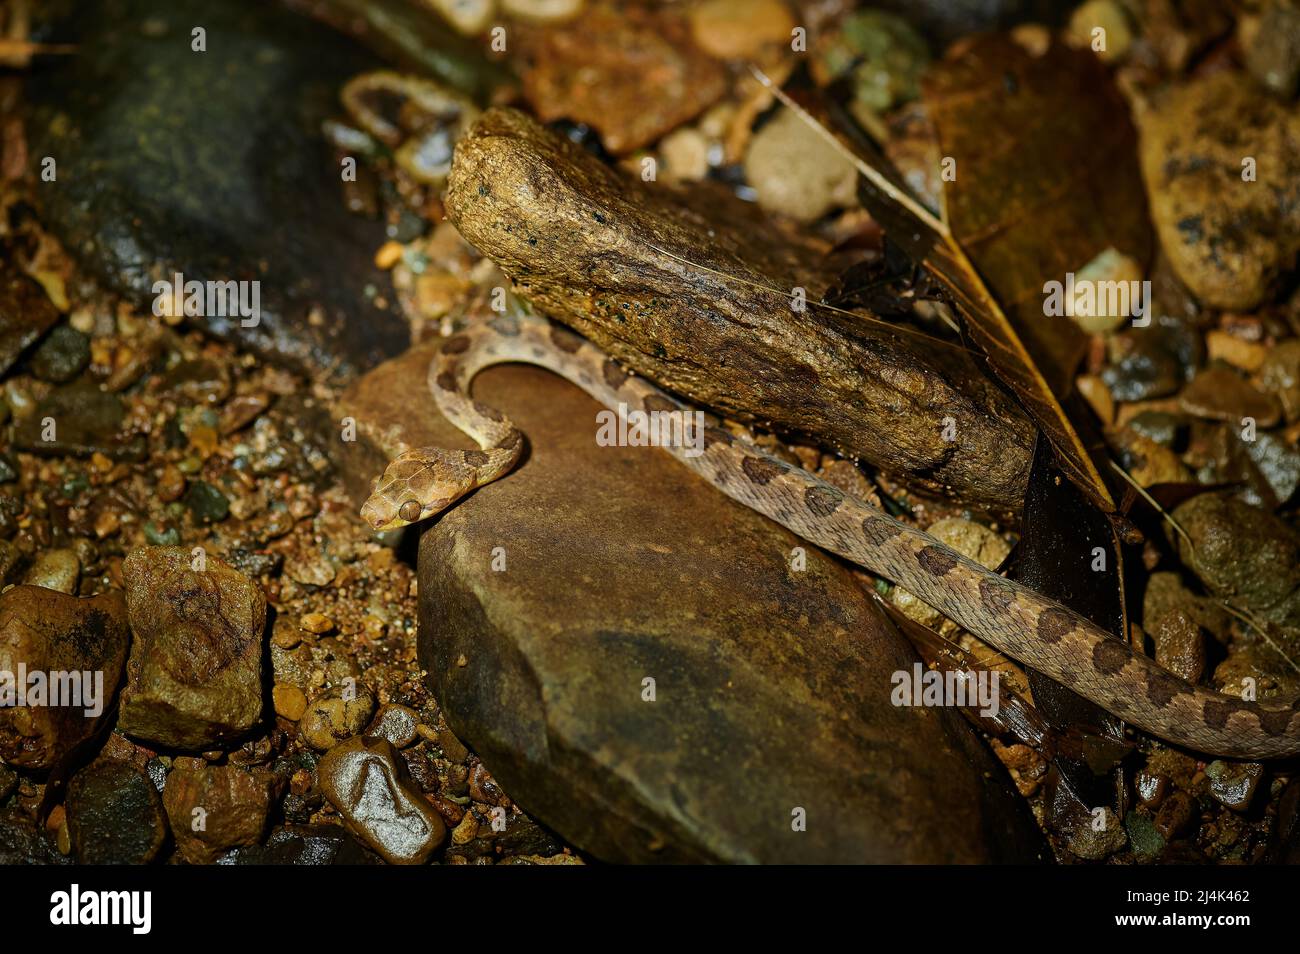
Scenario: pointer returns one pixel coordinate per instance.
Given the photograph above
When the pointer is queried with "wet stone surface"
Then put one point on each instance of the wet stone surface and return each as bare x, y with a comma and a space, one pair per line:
258, 197
768, 681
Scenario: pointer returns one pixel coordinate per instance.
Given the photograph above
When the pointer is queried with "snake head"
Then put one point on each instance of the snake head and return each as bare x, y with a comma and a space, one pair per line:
415, 486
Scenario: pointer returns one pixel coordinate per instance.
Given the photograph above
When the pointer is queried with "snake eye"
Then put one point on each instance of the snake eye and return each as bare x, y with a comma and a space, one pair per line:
410, 511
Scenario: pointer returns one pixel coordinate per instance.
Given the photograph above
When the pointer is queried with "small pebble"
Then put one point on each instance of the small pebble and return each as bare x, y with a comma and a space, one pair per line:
397, 724
55, 570
1234, 783
316, 623
331, 718
289, 701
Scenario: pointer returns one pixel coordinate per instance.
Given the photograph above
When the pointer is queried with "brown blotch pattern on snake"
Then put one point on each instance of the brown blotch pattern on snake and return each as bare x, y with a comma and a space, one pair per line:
565, 340
1276, 721
1163, 687
1109, 656
447, 381
509, 442
456, 344
491, 413
505, 325
1216, 712
996, 597
880, 530
613, 373
476, 458
822, 501
760, 470
935, 561
657, 402
1053, 624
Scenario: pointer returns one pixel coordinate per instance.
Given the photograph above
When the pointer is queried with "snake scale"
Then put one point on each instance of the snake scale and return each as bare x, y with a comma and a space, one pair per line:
1025, 625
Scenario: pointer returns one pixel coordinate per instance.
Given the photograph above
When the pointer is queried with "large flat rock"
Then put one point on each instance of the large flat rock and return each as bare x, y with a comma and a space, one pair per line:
772, 687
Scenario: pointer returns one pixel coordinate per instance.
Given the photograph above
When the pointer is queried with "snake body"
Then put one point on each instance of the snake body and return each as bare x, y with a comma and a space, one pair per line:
1025, 625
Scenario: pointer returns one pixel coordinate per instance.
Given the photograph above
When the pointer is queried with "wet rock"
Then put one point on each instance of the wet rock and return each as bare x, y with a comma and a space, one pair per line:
1175, 815
194, 679
1246, 554
770, 685
1280, 376
1147, 370
1146, 841
567, 76
1235, 350
81, 420
198, 380
364, 779
1180, 646
206, 503
579, 242
1234, 783
740, 29
796, 174
1229, 239
47, 631
305, 845
335, 715
62, 356
55, 570
395, 723
1273, 53
1146, 461
115, 816
236, 209
213, 808
1221, 395
1158, 426
22, 843
309, 667
290, 702
26, 312
1165, 595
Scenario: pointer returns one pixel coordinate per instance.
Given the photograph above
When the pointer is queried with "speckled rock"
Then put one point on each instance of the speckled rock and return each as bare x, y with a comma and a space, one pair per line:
45, 630
395, 723
194, 679
115, 816
1230, 241
365, 780
797, 173
336, 714
1246, 554
770, 685
26, 312
565, 75
62, 356
214, 808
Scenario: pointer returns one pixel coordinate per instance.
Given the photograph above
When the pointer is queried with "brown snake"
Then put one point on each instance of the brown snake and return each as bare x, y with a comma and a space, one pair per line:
1040, 633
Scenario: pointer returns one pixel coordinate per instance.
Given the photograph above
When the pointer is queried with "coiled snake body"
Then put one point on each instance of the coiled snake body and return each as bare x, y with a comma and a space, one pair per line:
1040, 633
